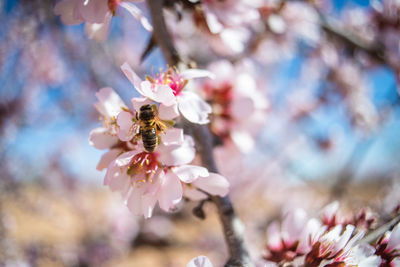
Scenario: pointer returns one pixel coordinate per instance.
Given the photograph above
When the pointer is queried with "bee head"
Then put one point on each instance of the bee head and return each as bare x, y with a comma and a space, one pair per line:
146, 113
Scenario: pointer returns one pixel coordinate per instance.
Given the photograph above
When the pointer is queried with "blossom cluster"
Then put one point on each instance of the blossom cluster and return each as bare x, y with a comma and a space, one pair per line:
161, 173
331, 240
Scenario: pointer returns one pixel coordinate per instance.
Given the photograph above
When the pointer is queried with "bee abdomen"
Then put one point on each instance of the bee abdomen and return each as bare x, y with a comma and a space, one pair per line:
149, 137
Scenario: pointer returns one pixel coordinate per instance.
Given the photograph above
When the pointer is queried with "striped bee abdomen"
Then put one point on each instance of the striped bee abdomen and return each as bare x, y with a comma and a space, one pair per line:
149, 138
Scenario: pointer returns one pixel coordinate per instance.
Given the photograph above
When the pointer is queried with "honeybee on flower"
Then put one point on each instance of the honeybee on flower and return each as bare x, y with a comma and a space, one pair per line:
167, 87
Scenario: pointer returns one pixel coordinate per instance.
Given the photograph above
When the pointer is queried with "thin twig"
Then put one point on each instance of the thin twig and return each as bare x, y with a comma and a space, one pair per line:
232, 226
378, 232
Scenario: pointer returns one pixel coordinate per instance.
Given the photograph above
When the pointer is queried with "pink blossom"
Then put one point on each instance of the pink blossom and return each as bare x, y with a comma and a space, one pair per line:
238, 106
200, 261
167, 88
293, 238
97, 14
230, 13
362, 255
109, 106
146, 178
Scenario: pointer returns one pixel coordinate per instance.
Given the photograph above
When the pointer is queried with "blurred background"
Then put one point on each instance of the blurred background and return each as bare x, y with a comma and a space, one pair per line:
329, 71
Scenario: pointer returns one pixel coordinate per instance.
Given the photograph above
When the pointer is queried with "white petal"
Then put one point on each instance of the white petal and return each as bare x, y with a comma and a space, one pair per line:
172, 136
134, 201
243, 140
214, 184
170, 192
107, 158
137, 14
193, 108
168, 112
110, 104
193, 194
99, 31
175, 155
127, 128
101, 138
132, 76
196, 73
148, 203
394, 239
159, 93
125, 158
200, 261
189, 173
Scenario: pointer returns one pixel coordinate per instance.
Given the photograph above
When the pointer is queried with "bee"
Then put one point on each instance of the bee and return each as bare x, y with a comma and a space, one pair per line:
150, 127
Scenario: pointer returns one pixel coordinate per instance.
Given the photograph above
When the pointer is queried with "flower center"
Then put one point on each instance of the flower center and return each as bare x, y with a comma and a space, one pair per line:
220, 97
172, 78
144, 163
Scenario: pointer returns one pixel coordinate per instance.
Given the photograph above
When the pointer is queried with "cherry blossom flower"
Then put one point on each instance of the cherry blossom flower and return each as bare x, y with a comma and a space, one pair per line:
200, 261
167, 88
388, 247
293, 237
362, 255
105, 137
238, 106
97, 14
146, 178
334, 244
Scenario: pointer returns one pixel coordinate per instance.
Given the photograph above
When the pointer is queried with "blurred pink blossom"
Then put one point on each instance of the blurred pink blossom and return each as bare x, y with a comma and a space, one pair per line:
97, 14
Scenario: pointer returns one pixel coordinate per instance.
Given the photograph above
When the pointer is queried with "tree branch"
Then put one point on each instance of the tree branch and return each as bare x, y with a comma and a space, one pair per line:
378, 232
232, 226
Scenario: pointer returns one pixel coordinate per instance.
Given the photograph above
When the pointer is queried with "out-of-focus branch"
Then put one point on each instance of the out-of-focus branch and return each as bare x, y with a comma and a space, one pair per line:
351, 40
232, 226
375, 234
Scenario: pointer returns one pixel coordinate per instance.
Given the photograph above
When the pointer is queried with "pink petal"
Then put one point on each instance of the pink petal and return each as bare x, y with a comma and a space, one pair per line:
116, 179
196, 73
212, 21
67, 10
193, 194
189, 173
214, 184
243, 140
193, 108
110, 104
175, 155
137, 14
101, 138
159, 93
125, 158
242, 107
168, 112
134, 201
107, 158
394, 239
274, 236
94, 11
127, 128
170, 192
292, 226
172, 136
200, 261
99, 31
148, 203
132, 76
